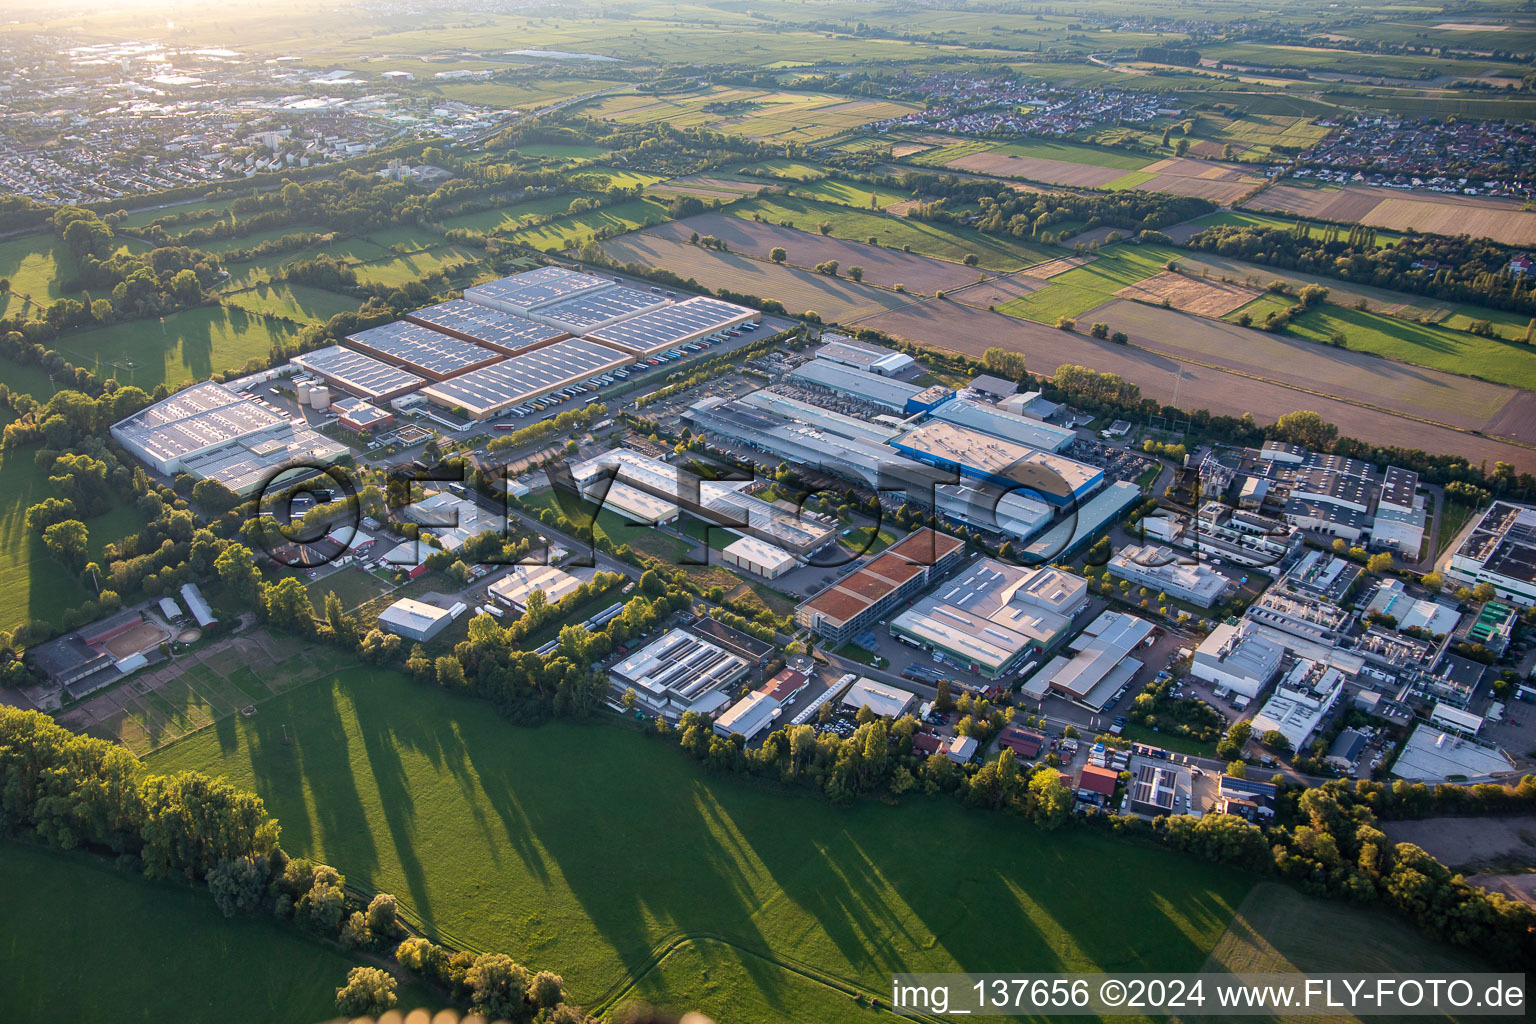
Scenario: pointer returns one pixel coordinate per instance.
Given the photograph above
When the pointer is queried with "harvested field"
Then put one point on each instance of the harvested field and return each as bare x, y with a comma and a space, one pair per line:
1046, 271
889, 267
1501, 220
1342, 293
1343, 373
1056, 172
834, 298
1199, 296
961, 328
905, 149
708, 186
998, 290
1473, 842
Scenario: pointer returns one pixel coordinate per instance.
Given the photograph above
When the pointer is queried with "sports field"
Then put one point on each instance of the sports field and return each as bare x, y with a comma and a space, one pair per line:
181, 959
597, 869
33, 586
190, 345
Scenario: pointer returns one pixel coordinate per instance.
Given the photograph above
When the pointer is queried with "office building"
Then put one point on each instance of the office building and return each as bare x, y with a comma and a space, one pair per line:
677, 672
1301, 701
1165, 571
885, 700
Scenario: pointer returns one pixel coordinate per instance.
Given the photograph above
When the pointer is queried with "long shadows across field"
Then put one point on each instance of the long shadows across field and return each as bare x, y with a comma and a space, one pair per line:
587, 849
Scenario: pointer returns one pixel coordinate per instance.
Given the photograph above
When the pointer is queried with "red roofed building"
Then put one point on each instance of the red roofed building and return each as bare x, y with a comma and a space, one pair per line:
926, 743
853, 603
784, 686
1097, 783
1024, 744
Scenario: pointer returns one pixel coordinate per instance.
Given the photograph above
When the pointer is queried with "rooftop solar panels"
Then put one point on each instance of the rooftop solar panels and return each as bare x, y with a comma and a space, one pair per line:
591, 310
504, 332
202, 416
421, 349
358, 373
664, 328
533, 289
518, 379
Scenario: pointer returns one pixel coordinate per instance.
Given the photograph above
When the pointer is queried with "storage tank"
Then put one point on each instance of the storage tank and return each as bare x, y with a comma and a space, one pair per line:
304, 390
320, 398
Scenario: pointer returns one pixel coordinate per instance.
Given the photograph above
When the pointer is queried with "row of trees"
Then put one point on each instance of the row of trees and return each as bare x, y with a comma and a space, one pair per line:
78, 792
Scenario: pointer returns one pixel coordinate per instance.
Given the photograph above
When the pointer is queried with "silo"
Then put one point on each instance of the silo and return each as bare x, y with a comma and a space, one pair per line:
320, 397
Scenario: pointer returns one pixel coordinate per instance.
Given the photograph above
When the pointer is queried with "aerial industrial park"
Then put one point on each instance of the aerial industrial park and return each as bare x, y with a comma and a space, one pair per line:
566, 515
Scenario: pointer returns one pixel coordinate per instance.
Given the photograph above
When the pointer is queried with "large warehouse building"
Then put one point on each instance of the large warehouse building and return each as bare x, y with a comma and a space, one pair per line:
995, 616
358, 374
1000, 423
533, 289
894, 395
677, 673
493, 389
1101, 662
213, 433
1501, 551
660, 329
991, 459
849, 606
583, 314
507, 333
422, 350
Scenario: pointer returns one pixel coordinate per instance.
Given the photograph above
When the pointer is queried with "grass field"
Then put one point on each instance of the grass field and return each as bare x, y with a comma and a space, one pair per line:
218, 246
295, 301
32, 585
1422, 344
513, 215
190, 345
422, 793
1095, 156
1261, 307
31, 380
36, 265
408, 267
793, 170
266, 969
850, 193
944, 241
1080, 289
564, 232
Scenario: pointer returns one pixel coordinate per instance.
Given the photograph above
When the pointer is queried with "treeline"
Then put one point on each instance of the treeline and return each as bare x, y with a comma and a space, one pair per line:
77, 792
1458, 270
1029, 215
1182, 57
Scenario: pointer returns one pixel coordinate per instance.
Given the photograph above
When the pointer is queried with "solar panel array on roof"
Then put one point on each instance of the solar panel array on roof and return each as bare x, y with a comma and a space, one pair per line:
533, 289
504, 332
582, 313
201, 417
661, 329
421, 349
521, 378
358, 373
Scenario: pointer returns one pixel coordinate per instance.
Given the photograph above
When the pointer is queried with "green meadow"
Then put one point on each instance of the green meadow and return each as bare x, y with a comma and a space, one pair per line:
191, 345
181, 959
592, 850
296, 301
1080, 289
571, 230
1502, 362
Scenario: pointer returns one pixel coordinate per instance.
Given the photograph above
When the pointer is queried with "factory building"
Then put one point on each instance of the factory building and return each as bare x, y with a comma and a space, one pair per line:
826, 443
668, 327
213, 433
994, 616
1008, 426
1237, 658
856, 383
516, 588
1101, 663
360, 416
370, 379
523, 293
421, 350
852, 604
758, 557
1500, 551
979, 456
506, 333
679, 672
885, 700
414, 620
1161, 570
650, 490
1300, 702
504, 385
586, 313
839, 348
